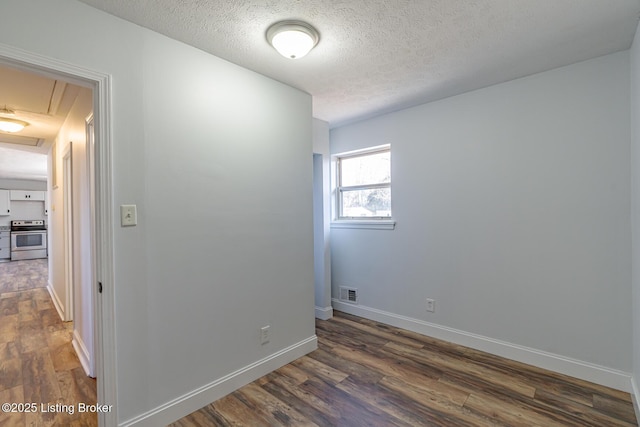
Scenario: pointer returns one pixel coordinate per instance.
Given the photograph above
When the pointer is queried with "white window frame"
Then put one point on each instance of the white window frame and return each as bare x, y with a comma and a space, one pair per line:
372, 222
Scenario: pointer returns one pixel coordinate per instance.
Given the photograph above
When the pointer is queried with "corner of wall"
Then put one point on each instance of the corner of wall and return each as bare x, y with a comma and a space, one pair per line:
635, 397
56, 301
324, 313
83, 353
322, 219
553, 362
634, 84
196, 399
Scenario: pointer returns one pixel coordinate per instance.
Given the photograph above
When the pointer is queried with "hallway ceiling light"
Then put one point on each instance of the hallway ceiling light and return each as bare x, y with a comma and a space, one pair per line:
8, 124
292, 39
11, 125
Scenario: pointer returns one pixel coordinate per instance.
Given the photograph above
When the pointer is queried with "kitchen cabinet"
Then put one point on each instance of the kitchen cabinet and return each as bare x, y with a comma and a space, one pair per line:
5, 203
5, 250
37, 196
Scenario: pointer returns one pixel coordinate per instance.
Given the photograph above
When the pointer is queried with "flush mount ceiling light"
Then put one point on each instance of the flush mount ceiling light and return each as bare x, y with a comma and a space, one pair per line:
292, 39
10, 125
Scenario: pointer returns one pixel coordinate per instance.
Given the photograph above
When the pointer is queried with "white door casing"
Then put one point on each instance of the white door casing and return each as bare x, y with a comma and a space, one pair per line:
104, 308
67, 195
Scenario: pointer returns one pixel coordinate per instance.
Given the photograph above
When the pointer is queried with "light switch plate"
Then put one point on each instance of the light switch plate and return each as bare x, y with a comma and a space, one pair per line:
128, 215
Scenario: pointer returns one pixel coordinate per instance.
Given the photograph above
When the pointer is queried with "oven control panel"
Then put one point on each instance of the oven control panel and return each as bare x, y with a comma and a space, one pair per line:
22, 223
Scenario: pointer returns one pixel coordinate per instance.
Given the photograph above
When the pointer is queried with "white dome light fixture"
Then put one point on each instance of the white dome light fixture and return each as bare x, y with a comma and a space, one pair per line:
292, 39
11, 125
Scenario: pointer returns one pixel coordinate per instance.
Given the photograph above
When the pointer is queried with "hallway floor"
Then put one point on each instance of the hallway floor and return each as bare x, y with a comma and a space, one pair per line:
23, 275
38, 364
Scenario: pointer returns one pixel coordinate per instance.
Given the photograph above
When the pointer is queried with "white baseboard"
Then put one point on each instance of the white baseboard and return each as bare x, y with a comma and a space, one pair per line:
324, 313
542, 359
635, 396
83, 354
196, 399
56, 301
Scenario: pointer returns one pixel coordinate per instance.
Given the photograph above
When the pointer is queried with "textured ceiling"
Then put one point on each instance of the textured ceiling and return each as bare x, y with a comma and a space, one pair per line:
379, 56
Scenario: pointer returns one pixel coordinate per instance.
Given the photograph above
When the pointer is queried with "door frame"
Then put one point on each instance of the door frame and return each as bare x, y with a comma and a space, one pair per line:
90, 151
104, 308
67, 209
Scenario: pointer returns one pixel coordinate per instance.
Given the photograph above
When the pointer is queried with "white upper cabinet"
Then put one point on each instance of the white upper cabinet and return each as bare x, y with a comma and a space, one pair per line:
5, 204
27, 195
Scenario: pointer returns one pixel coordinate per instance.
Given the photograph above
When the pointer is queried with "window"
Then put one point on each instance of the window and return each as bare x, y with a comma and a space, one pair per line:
364, 184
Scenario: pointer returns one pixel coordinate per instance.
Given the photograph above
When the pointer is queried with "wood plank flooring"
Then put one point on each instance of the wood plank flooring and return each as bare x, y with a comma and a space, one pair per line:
37, 361
369, 374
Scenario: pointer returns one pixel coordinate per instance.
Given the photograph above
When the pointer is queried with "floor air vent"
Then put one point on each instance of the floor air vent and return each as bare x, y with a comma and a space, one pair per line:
348, 294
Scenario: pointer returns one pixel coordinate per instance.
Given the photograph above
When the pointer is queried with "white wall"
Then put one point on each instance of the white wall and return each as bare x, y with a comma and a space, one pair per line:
55, 226
635, 208
73, 130
22, 184
83, 325
218, 161
24, 210
513, 213
322, 219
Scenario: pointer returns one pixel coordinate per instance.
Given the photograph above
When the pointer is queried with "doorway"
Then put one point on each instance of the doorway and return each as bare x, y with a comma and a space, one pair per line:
101, 307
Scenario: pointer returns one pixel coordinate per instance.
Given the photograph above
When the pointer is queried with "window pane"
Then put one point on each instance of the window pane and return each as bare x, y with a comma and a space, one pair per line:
363, 203
372, 168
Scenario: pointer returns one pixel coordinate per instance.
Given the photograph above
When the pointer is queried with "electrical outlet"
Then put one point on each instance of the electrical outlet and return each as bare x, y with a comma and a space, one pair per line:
431, 305
264, 334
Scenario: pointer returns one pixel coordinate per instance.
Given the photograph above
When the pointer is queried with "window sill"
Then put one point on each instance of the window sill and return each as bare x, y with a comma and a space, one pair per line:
369, 224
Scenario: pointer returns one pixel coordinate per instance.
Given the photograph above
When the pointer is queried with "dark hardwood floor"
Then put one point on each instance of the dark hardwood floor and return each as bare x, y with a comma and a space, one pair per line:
369, 374
38, 364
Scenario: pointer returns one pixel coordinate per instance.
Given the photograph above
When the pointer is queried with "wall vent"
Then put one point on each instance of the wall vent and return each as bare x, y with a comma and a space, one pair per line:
349, 294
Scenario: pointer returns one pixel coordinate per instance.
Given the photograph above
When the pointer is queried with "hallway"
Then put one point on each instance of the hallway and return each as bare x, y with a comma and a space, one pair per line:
37, 361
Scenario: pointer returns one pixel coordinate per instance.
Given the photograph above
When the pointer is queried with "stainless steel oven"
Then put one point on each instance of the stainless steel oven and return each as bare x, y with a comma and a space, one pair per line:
28, 239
